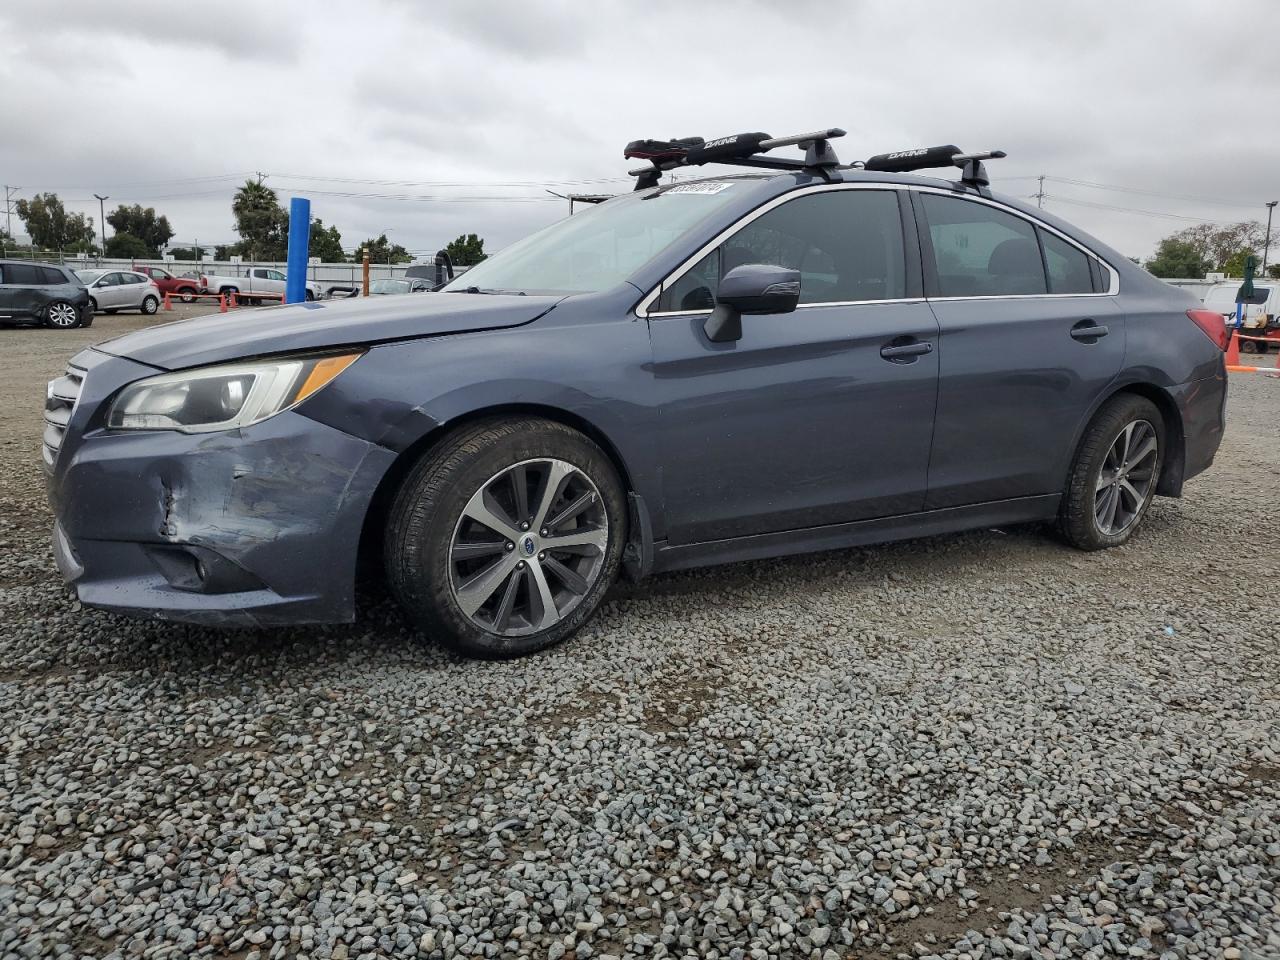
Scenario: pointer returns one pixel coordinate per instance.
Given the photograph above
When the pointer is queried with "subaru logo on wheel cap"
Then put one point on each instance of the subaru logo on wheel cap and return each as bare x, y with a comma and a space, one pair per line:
528, 546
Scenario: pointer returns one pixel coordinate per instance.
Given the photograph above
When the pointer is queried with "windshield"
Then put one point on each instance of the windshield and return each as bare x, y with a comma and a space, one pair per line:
389, 286
601, 247
88, 276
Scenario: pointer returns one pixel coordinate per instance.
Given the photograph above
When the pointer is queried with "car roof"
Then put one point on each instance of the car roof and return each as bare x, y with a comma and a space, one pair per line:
34, 263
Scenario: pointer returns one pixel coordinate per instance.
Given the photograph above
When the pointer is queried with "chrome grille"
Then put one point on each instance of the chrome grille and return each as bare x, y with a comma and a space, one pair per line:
59, 404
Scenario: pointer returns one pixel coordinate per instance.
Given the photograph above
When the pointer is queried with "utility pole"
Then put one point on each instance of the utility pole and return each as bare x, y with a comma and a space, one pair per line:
102, 218
8, 209
1040, 194
1266, 244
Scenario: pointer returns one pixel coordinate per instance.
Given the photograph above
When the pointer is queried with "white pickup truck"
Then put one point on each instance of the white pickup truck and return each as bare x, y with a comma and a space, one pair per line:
257, 280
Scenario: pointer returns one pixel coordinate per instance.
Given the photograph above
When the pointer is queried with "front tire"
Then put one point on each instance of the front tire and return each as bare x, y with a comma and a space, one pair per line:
504, 539
62, 315
1114, 475
188, 294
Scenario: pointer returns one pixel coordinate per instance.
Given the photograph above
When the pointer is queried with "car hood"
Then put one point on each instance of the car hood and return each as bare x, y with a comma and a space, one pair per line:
322, 324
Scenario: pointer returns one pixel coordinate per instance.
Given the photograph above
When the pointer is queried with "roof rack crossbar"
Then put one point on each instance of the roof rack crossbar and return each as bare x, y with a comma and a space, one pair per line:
972, 171
746, 149
743, 149
769, 163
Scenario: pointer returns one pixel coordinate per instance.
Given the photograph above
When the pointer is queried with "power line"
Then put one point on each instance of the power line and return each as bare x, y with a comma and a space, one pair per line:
1108, 206
1150, 193
425, 198
139, 183
449, 183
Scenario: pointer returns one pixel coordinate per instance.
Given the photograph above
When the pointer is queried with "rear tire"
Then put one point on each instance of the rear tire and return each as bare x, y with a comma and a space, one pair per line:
535, 572
150, 305
62, 315
1114, 474
230, 294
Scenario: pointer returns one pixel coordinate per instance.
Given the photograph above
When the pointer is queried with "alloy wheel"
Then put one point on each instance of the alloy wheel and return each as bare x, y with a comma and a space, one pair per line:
529, 547
62, 315
1126, 477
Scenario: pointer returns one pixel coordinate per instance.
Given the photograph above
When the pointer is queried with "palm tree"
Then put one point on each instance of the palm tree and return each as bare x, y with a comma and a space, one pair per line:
260, 220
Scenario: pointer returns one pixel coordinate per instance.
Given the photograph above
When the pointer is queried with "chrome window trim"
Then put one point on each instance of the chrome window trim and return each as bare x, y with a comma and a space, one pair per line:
799, 306
642, 308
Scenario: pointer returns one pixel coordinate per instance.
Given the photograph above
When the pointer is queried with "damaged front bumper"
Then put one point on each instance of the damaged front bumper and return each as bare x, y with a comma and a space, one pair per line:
251, 527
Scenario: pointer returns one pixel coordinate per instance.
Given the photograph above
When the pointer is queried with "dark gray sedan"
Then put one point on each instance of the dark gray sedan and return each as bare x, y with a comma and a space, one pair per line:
710, 371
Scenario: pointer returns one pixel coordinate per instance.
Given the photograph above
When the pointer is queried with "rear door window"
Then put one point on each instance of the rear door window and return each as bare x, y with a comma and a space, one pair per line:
1068, 266
980, 251
22, 274
846, 244
52, 276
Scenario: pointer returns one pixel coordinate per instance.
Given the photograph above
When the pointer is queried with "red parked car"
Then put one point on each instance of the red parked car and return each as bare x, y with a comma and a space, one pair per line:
185, 287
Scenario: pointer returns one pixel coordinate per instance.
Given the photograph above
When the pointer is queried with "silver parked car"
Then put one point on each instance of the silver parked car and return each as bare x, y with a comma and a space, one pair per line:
112, 290
391, 287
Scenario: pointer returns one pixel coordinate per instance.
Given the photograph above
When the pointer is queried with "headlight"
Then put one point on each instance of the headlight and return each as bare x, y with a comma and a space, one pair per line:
223, 397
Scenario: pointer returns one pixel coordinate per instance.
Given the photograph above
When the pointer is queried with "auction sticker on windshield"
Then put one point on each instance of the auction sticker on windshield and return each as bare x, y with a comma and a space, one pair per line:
710, 187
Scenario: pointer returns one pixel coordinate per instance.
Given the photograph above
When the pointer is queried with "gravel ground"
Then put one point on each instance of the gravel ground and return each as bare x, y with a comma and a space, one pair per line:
984, 745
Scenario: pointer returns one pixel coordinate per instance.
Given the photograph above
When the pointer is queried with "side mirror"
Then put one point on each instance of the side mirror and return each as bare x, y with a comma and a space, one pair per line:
751, 288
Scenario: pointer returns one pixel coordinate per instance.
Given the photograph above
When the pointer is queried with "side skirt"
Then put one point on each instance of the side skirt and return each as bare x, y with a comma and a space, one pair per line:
858, 533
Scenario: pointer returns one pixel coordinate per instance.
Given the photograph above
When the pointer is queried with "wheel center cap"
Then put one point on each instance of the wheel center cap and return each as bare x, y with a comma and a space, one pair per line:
528, 546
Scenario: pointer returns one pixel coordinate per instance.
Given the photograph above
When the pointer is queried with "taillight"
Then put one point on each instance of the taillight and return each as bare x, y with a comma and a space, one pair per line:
1213, 325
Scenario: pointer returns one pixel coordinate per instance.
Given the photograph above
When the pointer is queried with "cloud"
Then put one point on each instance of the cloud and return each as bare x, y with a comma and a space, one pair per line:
238, 29
141, 98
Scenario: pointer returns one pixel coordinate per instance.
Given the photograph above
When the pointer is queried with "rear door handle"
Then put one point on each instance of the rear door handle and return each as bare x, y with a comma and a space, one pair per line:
896, 351
1088, 331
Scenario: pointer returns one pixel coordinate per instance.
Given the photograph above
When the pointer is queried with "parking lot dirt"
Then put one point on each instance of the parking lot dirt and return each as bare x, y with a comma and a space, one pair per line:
983, 745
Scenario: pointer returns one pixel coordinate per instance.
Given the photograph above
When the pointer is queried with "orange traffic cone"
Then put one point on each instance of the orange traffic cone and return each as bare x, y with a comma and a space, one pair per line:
168, 304
222, 303
1233, 351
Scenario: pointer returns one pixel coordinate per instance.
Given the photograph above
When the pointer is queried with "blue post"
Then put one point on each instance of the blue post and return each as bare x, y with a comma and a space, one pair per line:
295, 286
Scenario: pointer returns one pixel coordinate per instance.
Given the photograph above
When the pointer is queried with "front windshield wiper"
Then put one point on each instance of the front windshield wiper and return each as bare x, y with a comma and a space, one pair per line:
515, 293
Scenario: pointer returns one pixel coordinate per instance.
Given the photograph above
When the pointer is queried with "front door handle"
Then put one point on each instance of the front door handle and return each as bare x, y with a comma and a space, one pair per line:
1088, 331
902, 350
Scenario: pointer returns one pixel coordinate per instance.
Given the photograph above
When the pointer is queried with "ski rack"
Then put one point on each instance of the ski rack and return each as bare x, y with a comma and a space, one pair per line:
740, 150
746, 149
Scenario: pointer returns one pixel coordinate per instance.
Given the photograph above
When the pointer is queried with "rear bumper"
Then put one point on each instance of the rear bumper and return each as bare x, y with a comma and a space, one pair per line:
251, 528
1203, 406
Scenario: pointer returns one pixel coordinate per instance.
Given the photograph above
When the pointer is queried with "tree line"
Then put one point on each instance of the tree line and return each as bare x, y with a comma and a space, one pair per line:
261, 221
1208, 248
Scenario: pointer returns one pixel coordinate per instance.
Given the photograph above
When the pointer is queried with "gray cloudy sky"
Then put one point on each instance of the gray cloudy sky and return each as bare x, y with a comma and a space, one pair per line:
428, 119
